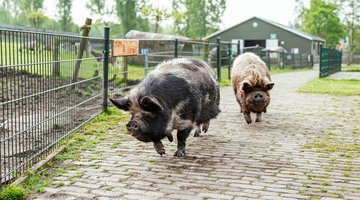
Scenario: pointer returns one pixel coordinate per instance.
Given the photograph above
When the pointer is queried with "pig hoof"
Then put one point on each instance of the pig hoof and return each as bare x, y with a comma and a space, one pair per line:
258, 120
205, 126
159, 147
248, 121
179, 153
197, 133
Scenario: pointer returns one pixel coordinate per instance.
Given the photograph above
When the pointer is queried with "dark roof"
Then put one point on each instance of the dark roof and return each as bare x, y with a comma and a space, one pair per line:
287, 28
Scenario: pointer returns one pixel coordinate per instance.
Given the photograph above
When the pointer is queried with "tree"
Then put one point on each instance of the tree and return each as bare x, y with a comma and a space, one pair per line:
64, 14
322, 20
198, 18
32, 9
101, 10
31, 5
36, 18
5, 9
155, 13
126, 11
299, 10
351, 15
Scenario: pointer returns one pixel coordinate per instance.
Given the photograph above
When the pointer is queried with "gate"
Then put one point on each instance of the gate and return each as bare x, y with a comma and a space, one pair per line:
330, 61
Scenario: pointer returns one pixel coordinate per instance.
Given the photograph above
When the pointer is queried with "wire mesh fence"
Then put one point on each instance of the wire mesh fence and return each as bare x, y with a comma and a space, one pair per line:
40, 101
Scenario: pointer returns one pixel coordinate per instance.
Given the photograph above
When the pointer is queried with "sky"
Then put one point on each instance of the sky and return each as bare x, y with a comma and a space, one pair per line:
281, 11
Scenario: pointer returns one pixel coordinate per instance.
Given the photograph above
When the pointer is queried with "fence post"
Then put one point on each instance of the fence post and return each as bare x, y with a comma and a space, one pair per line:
230, 58
283, 59
340, 60
55, 56
83, 44
301, 60
269, 60
176, 48
320, 62
106, 66
218, 58
206, 51
238, 47
125, 70
312, 61
146, 63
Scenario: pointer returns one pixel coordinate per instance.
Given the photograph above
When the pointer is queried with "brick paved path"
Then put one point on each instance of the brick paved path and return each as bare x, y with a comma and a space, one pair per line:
266, 160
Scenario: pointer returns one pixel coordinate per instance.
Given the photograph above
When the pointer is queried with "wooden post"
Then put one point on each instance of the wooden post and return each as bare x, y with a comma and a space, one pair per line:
125, 77
86, 29
206, 51
55, 58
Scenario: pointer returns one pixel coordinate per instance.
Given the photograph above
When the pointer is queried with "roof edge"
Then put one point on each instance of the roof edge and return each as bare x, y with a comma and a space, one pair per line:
284, 27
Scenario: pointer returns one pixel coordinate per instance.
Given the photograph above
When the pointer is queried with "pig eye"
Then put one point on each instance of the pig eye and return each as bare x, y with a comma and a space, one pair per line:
147, 114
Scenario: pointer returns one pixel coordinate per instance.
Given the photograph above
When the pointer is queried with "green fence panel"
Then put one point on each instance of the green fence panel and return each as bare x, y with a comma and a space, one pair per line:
330, 62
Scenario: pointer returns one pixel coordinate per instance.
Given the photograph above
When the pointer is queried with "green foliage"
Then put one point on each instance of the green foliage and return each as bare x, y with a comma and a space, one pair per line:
349, 150
36, 18
13, 192
352, 68
322, 20
127, 12
64, 14
197, 19
280, 70
351, 12
100, 10
331, 86
155, 14
30, 5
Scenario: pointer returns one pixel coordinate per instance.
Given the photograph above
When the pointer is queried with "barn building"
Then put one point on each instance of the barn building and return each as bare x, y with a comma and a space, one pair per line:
270, 35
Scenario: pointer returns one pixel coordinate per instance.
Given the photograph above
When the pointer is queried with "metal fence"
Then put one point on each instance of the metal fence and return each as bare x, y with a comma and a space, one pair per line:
330, 61
41, 100
282, 59
50, 85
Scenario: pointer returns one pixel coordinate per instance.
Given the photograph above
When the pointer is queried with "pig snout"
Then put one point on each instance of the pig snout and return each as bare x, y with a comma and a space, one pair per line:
258, 97
132, 126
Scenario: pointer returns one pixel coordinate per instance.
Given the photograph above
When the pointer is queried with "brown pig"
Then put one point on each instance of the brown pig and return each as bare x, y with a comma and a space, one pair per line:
251, 82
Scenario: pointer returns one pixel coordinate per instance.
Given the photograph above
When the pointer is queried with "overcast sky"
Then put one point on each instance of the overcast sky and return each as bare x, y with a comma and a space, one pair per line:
281, 11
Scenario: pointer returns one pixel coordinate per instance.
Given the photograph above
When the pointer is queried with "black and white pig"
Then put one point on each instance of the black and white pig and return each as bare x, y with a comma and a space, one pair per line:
180, 94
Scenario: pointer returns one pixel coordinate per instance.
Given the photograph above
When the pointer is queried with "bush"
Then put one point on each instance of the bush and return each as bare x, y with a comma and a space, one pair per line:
13, 192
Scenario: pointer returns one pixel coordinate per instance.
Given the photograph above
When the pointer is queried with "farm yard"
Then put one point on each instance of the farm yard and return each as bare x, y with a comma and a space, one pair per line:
62, 81
42, 105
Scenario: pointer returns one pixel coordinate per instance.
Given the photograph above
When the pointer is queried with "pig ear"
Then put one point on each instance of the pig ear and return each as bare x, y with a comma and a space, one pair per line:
122, 103
269, 86
150, 104
246, 86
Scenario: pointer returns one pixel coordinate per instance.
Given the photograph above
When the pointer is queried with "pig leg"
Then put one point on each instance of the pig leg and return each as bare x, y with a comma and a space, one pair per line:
258, 117
247, 117
159, 147
205, 126
197, 131
181, 137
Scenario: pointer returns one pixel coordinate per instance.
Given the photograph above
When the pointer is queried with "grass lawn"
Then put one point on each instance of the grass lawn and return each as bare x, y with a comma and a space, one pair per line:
332, 86
278, 70
351, 68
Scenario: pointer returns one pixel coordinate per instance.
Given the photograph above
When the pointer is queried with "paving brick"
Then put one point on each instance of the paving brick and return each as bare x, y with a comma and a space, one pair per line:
215, 196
